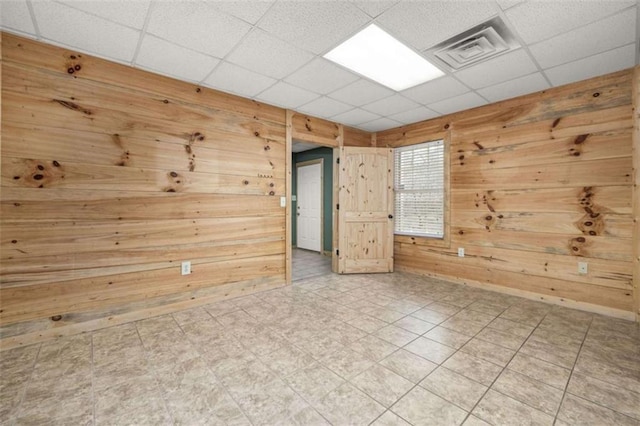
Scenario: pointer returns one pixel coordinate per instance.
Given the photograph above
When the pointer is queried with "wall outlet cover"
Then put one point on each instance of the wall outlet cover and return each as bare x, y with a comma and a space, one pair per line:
283, 201
186, 268
460, 251
583, 268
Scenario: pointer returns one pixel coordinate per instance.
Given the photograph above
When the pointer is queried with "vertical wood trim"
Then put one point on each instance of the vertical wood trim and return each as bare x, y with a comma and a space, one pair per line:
288, 184
335, 246
635, 103
390, 206
374, 139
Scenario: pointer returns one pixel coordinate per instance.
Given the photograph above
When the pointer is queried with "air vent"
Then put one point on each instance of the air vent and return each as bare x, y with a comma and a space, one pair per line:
475, 45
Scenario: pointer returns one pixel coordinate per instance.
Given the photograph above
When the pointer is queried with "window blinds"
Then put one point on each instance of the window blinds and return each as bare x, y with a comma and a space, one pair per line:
419, 189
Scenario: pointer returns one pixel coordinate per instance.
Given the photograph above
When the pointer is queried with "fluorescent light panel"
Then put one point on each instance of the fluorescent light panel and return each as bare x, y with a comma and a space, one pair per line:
377, 55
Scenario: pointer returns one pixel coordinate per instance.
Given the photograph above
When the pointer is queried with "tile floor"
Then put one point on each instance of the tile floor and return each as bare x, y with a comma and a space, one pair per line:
392, 349
307, 264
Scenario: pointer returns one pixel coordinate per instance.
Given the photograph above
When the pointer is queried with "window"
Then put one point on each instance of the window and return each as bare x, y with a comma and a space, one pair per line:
419, 189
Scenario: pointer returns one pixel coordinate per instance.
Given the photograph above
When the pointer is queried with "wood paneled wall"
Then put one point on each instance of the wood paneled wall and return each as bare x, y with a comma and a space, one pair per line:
537, 184
112, 176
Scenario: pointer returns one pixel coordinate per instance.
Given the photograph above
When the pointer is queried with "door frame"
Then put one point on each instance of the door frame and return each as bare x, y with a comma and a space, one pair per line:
305, 133
310, 163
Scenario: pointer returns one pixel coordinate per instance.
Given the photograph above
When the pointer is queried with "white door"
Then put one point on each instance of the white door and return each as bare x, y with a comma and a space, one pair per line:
309, 210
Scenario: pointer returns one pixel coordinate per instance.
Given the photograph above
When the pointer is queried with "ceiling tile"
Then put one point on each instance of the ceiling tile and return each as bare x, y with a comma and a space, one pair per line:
232, 78
379, 125
325, 107
15, 15
539, 20
423, 24
391, 105
264, 54
287, 96
361, 92
374, 8
436, 90
198, 26
158, 55
316, 26
506, 4
89, 33
321, 76
413, 116
458, 103
603, 63
510, 89
355, 116
247, 10
125, 12
503, 68
597, 37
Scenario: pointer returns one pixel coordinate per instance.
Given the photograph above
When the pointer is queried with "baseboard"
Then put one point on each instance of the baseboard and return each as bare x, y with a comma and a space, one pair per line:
554, 300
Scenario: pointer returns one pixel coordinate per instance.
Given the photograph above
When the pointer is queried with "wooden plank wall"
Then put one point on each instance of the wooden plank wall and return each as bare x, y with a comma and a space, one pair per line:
112, 176
537, 184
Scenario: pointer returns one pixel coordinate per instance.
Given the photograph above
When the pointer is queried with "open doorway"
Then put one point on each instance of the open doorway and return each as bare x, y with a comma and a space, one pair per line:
311, 207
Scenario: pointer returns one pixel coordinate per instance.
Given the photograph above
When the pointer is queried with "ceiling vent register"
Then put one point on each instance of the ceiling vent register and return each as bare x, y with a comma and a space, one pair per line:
478, 44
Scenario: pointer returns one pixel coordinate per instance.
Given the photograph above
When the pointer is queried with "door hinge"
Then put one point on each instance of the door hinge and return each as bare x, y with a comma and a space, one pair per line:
337, 252
337, 206
338, 160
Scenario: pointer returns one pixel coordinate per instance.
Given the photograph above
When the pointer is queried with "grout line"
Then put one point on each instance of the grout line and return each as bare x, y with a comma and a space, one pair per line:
32, 13
143, 33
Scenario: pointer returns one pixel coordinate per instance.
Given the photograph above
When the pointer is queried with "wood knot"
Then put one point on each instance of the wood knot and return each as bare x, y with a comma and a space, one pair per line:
166, 101
14, 241
267, 147
56, 318
169, 190
272, 185
40, 167
38, 176
581, 239
446, 126
77, 68
272, 193
596, 94
70, 70
246, 182
16, 177
72, 57
461, 232
488, 217
17, 204
256, 134
201, 138
173, 174
461, 157
55, 163
588, 223
198, 90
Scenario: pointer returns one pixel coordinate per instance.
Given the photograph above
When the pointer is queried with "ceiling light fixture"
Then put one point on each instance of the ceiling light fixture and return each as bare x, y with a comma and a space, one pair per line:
377, 55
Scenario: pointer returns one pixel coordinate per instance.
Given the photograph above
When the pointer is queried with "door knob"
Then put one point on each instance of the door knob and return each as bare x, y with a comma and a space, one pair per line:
390, 216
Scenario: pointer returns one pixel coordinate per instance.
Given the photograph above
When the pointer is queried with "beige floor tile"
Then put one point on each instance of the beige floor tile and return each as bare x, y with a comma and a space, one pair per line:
396, 335
511, 327
608, 371
550, 353
444, 308
347, 405
463, 326
529, 391
410, 366
453, 387
430, 350
373, 347
314, 382
474, 421
421, 407
367, 323
540, 370
404, 306
429, 315
447, 337
286, 360
389, 418
414, 325
196, 401
578, 411
271, 404
498, 410
346, 362
386, 315
609, 395
498, 355
502, 338
306, 417
382, 384
473, 368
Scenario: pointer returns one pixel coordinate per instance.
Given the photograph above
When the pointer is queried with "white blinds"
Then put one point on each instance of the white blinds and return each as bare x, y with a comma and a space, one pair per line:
419, 189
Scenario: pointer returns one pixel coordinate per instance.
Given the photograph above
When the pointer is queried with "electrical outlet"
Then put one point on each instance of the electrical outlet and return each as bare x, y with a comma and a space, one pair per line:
583, 268
186, 268
283, 201
460, 251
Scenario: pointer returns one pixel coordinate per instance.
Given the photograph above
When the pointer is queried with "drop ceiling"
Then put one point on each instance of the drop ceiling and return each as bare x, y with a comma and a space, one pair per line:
272, 51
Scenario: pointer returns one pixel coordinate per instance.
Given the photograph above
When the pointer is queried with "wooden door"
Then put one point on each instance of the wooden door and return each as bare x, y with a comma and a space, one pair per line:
365, 210
309, 207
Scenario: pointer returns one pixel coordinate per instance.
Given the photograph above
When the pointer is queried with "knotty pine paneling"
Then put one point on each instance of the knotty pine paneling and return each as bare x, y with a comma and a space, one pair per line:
537, 184
112, 176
